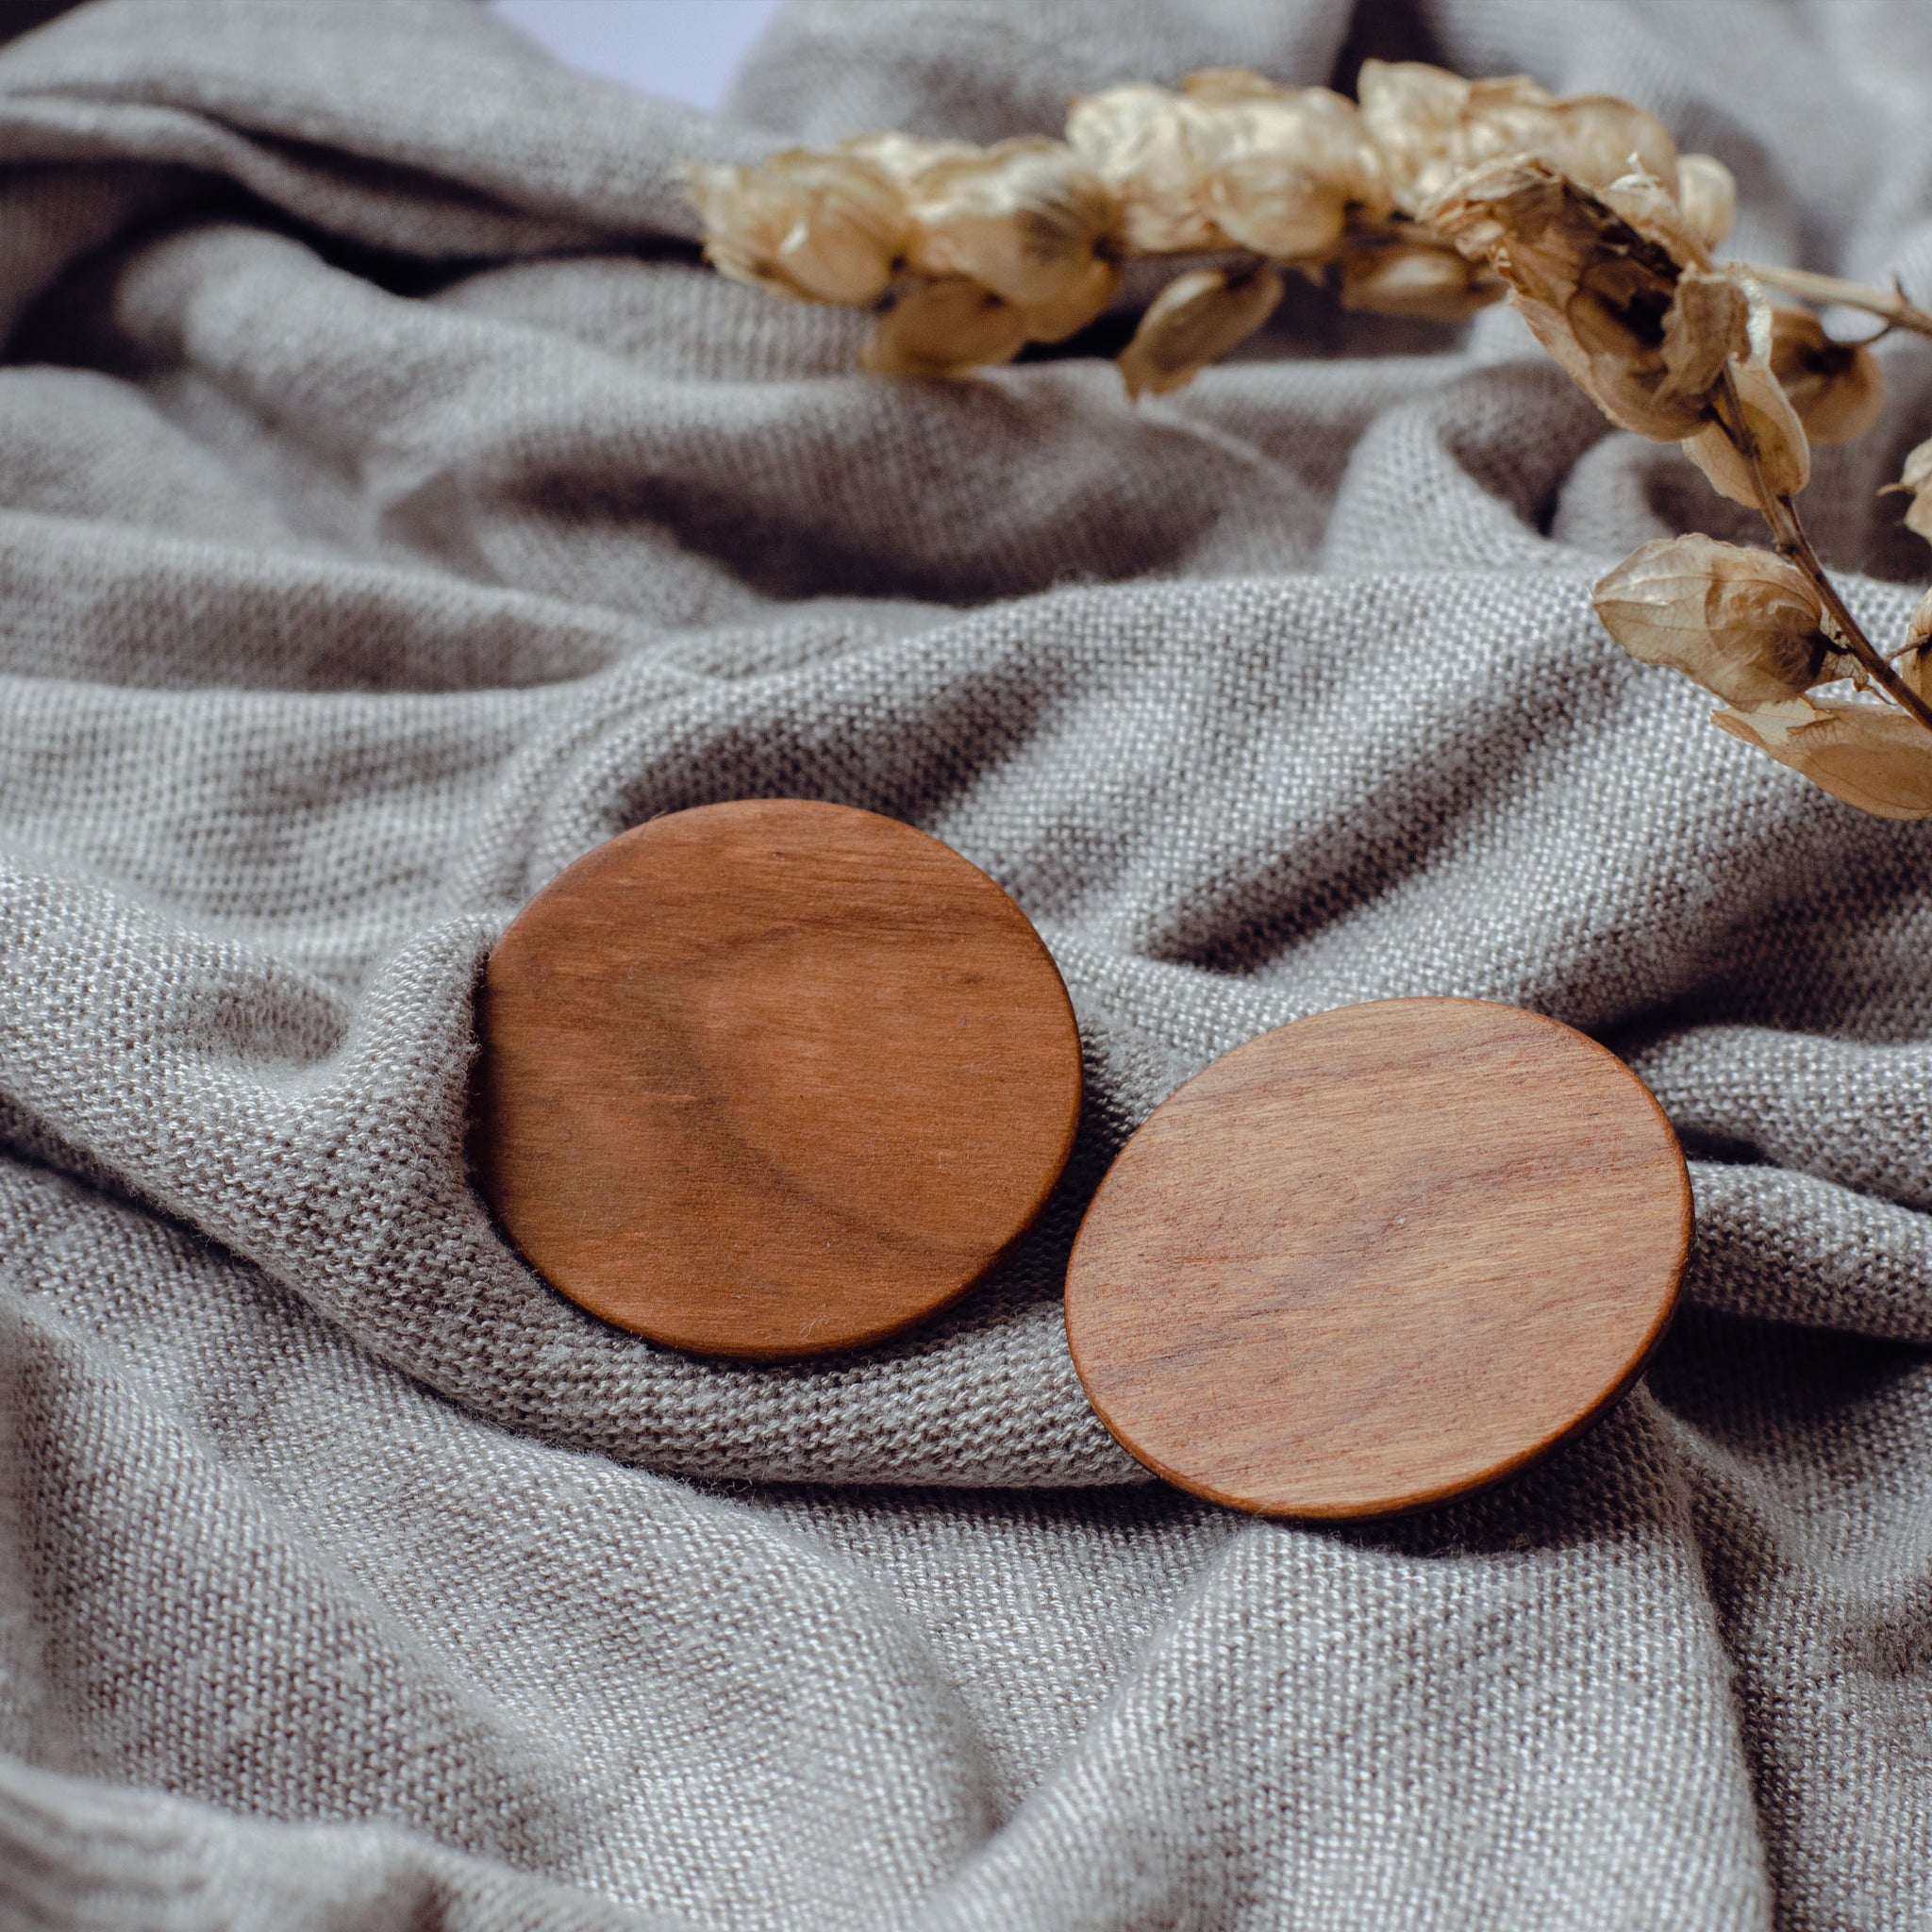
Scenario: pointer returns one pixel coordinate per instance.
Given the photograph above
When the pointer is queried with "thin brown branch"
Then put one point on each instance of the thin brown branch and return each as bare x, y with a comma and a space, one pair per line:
1880, 667
1788, 531
1889, 302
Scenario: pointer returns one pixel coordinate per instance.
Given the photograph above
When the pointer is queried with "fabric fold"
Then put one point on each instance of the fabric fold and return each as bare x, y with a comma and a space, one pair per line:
393, 507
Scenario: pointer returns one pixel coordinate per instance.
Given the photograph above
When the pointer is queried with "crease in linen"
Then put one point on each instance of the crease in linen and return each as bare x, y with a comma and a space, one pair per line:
392, 507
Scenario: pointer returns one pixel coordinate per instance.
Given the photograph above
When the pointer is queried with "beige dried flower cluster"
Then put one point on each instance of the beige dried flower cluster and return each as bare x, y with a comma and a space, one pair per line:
1427, 197
975, 252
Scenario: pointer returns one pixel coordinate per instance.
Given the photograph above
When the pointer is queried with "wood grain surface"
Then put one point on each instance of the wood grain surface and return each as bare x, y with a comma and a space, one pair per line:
771, 1079
1378, 1259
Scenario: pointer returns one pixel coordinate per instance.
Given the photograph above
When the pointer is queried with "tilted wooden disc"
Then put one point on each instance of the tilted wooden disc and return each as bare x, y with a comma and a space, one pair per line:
1378, 1259
771, 1079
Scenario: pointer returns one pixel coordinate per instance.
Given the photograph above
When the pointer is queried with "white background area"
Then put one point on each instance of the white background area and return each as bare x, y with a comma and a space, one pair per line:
680, 50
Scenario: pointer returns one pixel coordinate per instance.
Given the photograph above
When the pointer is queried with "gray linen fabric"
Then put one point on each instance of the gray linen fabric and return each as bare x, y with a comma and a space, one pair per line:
390, 509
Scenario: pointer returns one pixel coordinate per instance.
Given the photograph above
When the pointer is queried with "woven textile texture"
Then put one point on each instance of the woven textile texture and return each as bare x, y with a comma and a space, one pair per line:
391, 509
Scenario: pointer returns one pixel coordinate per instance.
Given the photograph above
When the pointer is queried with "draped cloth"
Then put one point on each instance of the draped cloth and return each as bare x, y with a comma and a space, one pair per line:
391, 509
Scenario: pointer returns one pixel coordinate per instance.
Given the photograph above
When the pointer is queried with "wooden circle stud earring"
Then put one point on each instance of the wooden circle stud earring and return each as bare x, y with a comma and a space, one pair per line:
1375, 1259
771, 1079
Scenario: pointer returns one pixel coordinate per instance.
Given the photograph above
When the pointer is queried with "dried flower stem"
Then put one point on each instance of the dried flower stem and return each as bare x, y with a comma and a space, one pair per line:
1781, 513
1889, 302
1801, 553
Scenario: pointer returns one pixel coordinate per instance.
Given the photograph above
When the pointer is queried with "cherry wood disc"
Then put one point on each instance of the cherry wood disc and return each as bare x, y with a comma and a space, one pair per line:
1378, 1259
771, 1079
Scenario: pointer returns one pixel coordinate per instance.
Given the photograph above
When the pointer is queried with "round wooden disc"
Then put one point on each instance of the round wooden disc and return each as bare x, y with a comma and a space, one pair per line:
771, 1079
1378, 1259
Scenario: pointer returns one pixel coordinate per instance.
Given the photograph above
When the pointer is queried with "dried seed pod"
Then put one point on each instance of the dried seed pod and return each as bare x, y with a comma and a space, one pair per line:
944, 328
1599, 312
1138, 140
1744, 624
1418, 280
1597, 139
905, 157
1054, 321
1432, 126
1215, 87
1233, 161
1874, 756
1597, 276
1914, 663
1193, 320
1530, 224
1915, 480
1708, 326
1783, 453
1425, 121
1020, 219
1283, 168
1918, 632
823, 227
1838, 388
1644, 205
1708, 194
1288, 217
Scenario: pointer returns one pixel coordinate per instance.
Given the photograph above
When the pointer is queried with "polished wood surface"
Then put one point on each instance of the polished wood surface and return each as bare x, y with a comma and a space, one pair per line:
1378, 1259
771, 1079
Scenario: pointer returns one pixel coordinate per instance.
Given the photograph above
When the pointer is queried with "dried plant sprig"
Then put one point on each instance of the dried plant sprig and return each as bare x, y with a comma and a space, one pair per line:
1430, 197
1227, 165
1764, 631
1622, 294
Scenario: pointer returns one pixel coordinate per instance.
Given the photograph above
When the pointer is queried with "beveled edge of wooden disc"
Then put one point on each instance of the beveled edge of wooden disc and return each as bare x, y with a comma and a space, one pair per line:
844, 1344
1526, 1459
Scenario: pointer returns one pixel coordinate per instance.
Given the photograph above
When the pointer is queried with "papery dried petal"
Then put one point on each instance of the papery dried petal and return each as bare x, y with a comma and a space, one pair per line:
1915, 480
1874, 756
1648, 206
1707, 325
1596, 292
1708, 195
1744, 623
1782, 450
1638, 402
1432, 126
1312, 142
1918, 632
1020, 219
1258, 203
1609, 315
1597, 140
1416, 114
1914, 663
1233, 161
906, 156
1215, 86
1416, 280
1138, 140
1312, 129
1536, 230
1763, 327
825, 227
1054, 321
944, 328
1838, 388
1194, 320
